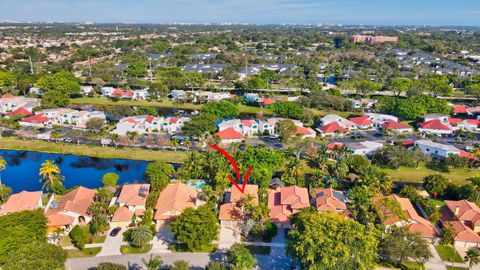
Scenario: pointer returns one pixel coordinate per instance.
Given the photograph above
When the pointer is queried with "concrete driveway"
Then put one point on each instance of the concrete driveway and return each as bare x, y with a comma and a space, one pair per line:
162, 237
112, 244
228, 237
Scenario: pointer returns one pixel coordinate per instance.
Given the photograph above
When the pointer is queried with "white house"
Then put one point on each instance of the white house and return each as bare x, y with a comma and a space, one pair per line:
139, 124
140, 94
328, 119
9, 103
436, 149
365, 148
86, 89
245, 127
378, 118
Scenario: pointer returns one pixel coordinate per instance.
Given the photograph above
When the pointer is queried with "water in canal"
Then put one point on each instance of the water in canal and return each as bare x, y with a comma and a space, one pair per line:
22, 169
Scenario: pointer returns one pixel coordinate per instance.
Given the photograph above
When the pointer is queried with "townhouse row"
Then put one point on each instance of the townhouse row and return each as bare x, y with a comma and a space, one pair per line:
61, 117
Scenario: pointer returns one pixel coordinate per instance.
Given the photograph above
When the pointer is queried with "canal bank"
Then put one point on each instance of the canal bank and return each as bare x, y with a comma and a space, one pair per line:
14, 143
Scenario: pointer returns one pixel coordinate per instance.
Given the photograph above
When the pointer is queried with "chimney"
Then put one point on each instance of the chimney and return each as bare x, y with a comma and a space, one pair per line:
457, 210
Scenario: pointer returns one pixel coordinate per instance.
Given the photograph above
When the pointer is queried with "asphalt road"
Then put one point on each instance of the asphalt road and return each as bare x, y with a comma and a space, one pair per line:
275, 261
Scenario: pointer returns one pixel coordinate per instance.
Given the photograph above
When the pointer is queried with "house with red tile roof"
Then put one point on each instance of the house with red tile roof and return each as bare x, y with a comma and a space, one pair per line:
284, 202
411, 219
459, 109
332, 129
248, 127
395, 126
231, 213
70, 210
305, 132
362, 122
20, 111
435, 126
329, 199
464, 217
9, 103
230, 135
175, 198
131, 201
37, 120
173, 125
22, 201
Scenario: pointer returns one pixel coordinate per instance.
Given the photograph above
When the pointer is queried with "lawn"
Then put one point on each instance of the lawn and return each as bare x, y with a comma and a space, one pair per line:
437, 203
456, 268
412, 266
183, 248
14, 143
99, 239
86, 252
126, 249
259, 250
416, 175
447, 253
65, 241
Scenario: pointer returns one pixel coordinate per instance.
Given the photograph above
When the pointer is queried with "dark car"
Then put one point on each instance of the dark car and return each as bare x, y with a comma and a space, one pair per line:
115, 231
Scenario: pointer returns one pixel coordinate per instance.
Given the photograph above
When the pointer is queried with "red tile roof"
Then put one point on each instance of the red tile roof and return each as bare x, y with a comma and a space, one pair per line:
460, 109
236, 195
454, 121
434, 124
229, 134
361, 120
37, 118
268, 101
122, 214
334, 145
467, 211
287, 201
230, 211
304, 131
175, 197
332, 128
24, 200
174, 120
21, 111
327, 201
76, 201
247, 123
134, 194
149, 118
8, 95
392, 125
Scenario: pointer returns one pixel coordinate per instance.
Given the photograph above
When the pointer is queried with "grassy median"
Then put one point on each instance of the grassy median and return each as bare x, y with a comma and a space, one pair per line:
14, 143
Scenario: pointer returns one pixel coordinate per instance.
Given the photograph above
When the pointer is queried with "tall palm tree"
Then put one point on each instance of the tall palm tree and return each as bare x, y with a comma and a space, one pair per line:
50, 175
153, 263
473, 257
175, 144
294, 168
141, 236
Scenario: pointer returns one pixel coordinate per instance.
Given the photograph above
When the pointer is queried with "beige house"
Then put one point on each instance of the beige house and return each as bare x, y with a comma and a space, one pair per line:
131, 201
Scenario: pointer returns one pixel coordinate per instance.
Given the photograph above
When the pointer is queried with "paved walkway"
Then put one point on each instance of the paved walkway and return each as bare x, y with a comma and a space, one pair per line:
162, 237
228, 237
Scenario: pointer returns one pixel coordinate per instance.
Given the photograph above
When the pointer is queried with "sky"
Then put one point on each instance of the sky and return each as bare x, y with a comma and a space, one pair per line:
382, 12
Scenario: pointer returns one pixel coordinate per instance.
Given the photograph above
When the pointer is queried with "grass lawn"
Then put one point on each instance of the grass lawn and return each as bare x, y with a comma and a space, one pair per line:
415, 175
412, 266
99, 239
259, 250
126, 249
14, 143
447, 253
86, 252
65, 241
438, 203
456, 268
183, 248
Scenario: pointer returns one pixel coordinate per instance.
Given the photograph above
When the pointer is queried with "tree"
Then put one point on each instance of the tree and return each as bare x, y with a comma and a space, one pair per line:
153, 263
285, 129
455, 161
180, 265
221, 109
474, 90
213, 265
4, 190
20, 229
288, 109
447, 235
365, 87
7, 79
435, 184
110, 179
63, 82
472, 257
199, 125
55, 99
256, 82
80, 236
95, 124
195, 227
239, 257
399, 86
331, 241
110, 266
400, 244
36, 256
358, 164
141, 236
158, 174
50, 176
294, 168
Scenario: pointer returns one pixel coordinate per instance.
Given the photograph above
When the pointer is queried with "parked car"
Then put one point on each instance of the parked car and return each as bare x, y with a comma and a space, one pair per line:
115, 231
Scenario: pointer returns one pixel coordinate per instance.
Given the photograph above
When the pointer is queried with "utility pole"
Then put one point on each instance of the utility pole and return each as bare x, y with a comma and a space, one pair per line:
90, 66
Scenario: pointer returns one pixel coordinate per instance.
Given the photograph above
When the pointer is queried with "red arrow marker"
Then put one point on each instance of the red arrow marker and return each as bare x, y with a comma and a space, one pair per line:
235, 166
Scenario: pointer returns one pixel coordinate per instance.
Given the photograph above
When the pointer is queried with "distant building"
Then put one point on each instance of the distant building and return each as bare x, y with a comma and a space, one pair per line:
372, 39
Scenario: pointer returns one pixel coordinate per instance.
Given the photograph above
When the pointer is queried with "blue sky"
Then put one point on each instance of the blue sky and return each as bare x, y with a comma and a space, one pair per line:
418, 12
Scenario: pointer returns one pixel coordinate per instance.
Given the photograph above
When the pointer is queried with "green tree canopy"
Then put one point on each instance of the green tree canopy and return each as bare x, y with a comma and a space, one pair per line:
285, 129
435, 184
55, 99
221, 109
195, 227
331, 241
239, 257
199, 125
110, 179
61, 82
80, 236
158, 174
36, 256
288, 109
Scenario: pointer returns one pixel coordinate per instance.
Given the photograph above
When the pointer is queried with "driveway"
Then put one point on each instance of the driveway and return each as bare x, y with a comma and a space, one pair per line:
228, 237
112, 244
161, 239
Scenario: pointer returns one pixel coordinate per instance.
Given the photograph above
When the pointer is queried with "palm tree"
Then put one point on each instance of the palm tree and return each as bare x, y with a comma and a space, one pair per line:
472, 257
187, 144
175, 144
50, 175
294, 168
141, 236
153, 263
